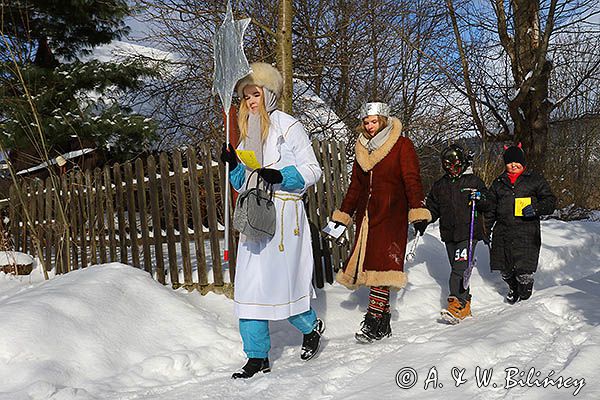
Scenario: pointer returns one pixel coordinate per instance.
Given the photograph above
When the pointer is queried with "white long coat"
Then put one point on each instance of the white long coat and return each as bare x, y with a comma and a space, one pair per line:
273, 277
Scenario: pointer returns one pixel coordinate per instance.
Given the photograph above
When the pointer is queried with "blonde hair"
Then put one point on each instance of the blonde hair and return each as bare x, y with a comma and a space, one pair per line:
265, 121
383, 122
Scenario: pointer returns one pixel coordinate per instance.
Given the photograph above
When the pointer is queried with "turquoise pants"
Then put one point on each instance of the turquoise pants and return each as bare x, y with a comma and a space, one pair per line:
255, 332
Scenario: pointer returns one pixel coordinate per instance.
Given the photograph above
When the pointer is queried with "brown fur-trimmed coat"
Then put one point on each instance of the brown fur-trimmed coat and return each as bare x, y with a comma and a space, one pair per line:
386, 194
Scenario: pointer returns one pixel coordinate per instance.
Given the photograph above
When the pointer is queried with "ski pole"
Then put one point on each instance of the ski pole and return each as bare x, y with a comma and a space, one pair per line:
469, 270
413, 249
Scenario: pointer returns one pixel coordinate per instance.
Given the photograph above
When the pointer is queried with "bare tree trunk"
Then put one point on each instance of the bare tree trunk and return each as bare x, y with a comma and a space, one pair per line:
284, 52
527, 49
531, 115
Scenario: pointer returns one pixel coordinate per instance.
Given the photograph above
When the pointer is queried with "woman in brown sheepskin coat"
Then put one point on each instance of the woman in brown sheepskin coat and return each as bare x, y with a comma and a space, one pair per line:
385, 194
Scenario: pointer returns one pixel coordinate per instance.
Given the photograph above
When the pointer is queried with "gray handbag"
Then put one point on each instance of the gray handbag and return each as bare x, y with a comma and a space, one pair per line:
254, 214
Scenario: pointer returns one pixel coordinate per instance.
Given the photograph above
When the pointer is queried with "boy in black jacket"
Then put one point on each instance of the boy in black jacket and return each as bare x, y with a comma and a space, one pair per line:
450, 200
518, 196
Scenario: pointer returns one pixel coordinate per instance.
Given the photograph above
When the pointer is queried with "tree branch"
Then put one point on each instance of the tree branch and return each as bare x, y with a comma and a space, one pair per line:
465, 70
506, 41
578, 84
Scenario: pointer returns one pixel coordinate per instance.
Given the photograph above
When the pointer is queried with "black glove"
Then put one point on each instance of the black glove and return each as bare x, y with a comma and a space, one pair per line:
528, 211
420, 226
270, 175
228, 156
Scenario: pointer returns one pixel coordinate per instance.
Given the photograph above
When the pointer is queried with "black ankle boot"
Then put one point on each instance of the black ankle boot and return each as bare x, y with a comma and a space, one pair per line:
311, 341
385, 327
525, 290
368, 329
525, 287
374, 327
512, 296
253, 366
513, 287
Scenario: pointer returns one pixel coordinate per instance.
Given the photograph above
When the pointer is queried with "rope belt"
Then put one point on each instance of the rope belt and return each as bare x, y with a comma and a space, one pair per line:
285, 197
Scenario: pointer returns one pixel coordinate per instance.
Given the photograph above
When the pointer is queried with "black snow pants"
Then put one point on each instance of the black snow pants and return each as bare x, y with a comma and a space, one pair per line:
458, 258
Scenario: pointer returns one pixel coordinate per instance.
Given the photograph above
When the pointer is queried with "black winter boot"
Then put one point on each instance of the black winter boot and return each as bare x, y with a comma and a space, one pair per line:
368, 329
374, 327
525, 287
311, 341
385, 328
253, 366
512, 296
513, 287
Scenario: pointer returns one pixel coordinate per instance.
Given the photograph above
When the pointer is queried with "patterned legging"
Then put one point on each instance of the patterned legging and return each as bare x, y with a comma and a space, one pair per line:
379, 300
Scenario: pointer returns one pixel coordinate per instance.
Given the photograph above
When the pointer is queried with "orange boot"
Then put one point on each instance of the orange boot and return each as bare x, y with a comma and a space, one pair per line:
456, 312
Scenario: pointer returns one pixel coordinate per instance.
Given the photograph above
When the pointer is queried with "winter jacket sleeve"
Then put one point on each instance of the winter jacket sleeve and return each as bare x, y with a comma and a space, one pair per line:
411, 176
432, 203
306, 162
490, 214
237, 177
350, 202
544, 201
292, 179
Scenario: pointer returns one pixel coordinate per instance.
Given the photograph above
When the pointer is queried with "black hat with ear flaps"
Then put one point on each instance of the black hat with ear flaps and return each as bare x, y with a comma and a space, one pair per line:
514, 154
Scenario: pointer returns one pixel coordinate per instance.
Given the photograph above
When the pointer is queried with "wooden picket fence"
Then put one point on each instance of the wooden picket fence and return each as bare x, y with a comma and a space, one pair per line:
164, 215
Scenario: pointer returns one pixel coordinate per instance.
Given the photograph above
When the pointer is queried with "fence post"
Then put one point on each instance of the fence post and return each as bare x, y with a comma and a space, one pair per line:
110, 214
326, 159
83, 225
156, 225
91, 212
141, 192
182, 217
211, 201
50, 223
197, 217
13, 214
131, 215
232, 236
120, 213
165, 180
65, 248
101, 217
37, 216
24, 233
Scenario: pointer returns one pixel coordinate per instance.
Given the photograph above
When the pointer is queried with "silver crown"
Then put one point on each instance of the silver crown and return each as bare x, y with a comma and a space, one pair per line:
374, 109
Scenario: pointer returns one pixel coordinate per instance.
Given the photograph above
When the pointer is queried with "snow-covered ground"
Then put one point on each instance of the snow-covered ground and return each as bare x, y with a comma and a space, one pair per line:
111, 332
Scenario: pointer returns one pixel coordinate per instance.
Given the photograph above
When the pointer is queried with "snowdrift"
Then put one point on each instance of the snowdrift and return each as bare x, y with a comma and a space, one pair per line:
111, 332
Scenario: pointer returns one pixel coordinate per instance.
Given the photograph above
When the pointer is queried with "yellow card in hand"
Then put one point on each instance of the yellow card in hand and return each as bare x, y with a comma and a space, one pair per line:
248, 157
520, 204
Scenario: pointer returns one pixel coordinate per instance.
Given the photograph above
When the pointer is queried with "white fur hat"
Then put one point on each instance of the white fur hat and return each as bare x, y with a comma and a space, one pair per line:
263, 75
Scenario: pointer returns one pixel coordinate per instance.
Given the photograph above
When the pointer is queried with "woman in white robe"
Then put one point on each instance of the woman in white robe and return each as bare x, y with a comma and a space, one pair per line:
273, 279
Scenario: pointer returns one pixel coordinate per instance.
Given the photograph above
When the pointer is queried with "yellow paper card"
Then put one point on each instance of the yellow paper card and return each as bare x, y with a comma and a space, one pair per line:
248, 157
520, 204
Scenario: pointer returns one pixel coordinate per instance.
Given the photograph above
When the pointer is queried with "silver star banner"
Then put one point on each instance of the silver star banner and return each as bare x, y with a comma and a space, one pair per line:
231, 65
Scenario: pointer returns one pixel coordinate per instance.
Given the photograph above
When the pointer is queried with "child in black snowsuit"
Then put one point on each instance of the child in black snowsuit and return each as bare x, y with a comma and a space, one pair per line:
450, 200
518, 196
